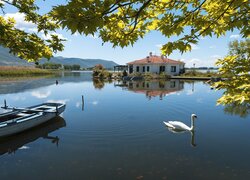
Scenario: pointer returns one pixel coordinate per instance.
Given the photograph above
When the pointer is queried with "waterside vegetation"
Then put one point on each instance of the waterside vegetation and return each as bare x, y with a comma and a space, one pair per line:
194, 73
99, 72
14, 71
50, 65
189, 74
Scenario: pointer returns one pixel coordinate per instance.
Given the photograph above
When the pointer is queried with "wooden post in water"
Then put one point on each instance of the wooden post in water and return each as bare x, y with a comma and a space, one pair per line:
5, 104
82, 103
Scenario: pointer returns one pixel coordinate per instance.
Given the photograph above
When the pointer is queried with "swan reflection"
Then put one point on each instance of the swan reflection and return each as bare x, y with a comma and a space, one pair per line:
12, 143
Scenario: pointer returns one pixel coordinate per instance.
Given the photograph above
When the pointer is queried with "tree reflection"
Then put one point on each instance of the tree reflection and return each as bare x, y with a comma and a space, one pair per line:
242, 110
100, 83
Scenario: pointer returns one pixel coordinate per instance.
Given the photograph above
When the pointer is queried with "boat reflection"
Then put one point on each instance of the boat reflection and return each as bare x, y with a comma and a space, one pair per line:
11, 144
154, 88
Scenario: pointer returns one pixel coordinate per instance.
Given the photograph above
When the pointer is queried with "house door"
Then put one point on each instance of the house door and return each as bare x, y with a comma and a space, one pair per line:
162, 69
130, 69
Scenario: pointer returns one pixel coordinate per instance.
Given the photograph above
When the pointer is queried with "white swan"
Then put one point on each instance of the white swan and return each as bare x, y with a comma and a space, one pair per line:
179, 126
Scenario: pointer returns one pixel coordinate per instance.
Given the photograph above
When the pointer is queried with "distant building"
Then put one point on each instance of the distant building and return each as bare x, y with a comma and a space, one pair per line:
156, 64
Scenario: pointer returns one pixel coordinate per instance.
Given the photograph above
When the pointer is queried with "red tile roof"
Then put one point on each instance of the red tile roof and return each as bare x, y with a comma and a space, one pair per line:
155, 60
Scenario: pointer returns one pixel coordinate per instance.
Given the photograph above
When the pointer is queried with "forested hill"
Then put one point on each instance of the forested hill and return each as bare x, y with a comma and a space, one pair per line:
7, 59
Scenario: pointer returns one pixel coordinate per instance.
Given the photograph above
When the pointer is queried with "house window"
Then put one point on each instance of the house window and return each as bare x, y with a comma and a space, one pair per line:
143, 69
162, 69
148, 68
137, 68
172, 84
173, 68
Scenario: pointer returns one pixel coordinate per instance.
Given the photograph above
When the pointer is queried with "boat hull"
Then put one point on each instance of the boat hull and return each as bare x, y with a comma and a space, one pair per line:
21, 124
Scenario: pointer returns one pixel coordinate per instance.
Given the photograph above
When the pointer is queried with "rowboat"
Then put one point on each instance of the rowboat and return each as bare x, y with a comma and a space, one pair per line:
21, 119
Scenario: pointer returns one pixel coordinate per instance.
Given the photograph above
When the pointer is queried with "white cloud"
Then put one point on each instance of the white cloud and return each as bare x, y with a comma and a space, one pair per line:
200, 62
212, 47
48, 36
216, 56
189, 92
95, 103
18, 98
78, 104
59, 101
194, 46
41, 95
35, 30
159, 45
20, 21
235, 36
195, 60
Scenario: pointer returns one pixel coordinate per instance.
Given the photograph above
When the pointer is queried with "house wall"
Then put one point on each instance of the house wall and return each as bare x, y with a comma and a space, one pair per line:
155, 68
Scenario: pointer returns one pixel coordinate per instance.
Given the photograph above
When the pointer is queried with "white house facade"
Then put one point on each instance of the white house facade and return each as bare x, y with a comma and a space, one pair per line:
156, 64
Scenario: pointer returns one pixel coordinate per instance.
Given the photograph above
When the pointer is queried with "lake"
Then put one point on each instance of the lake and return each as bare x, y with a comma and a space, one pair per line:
118, 132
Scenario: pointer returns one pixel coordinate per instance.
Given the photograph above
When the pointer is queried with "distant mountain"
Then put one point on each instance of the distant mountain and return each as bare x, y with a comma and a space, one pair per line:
84, 63
7, 59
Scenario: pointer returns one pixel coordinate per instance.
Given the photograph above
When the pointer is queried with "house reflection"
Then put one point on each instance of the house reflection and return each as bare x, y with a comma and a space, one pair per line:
155, 88
12, 143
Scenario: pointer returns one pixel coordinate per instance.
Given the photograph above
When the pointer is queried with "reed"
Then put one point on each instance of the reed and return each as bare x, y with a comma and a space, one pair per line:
12, 71
200, 74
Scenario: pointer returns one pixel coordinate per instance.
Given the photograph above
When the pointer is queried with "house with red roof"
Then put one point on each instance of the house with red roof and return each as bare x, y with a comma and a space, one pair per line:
156, 64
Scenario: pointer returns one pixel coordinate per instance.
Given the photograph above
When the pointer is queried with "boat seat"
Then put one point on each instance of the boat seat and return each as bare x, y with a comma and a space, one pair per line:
44, 107
23, 114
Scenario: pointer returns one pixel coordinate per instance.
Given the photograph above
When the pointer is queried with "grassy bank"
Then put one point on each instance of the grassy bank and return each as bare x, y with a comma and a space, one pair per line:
200, 74
13, 71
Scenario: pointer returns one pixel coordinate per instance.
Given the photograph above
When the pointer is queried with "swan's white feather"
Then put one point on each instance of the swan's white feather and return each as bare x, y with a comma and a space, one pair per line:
177, 125
168, 125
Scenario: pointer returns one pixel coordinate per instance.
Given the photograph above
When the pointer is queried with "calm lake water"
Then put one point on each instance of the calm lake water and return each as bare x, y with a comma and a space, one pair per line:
118, 133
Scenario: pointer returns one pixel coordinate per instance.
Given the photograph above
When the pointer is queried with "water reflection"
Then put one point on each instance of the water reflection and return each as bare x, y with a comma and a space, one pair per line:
124, 130
20, 85
192, 135
153, 88
100, 83
41, 94
241, 110
18, 141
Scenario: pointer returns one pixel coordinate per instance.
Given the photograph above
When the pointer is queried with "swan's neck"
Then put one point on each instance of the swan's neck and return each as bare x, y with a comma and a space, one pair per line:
192, 124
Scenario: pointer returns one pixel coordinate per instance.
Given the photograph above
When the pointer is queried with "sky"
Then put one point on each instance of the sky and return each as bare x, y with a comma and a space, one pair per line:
203, 54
